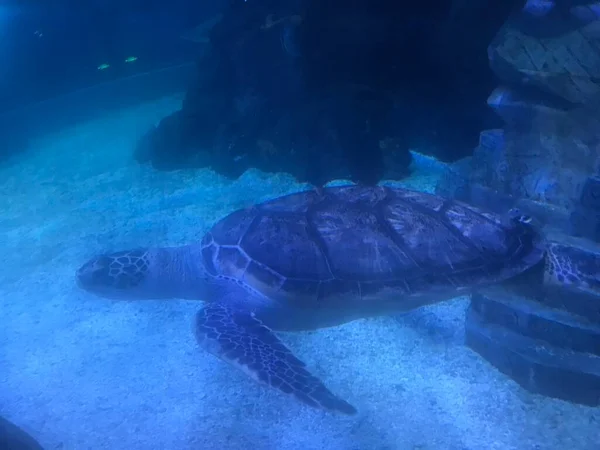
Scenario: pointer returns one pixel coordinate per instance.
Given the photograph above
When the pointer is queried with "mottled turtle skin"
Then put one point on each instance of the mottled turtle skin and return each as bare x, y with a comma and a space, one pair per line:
315, 259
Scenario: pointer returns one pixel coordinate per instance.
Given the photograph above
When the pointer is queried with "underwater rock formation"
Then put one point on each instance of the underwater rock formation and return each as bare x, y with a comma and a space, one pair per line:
543, 333
548, 149
567, 65
312, 88
585, 215
548, 339
552, 18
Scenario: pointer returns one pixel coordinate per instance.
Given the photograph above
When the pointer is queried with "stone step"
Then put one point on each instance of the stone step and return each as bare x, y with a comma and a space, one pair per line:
575, 301
532, 319
538, 367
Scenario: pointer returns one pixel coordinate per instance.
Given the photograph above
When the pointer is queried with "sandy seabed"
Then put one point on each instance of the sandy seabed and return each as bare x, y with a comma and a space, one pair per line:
79, 372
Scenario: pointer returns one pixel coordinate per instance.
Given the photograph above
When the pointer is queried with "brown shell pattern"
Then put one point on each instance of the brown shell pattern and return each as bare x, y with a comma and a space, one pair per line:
356, 239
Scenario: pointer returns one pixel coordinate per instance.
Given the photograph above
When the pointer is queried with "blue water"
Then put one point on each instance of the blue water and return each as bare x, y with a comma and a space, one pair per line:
49, 48
83, 372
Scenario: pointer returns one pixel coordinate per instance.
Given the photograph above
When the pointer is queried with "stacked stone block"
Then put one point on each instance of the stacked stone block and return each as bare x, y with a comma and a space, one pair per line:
544, 332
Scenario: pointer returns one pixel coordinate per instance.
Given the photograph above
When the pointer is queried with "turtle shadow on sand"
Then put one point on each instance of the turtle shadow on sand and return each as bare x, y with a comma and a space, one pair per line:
438, 325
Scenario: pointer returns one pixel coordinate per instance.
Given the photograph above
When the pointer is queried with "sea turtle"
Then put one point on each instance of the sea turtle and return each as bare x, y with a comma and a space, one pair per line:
315, 259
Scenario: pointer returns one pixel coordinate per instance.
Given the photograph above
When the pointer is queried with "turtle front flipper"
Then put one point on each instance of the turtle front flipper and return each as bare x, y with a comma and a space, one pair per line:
239, 338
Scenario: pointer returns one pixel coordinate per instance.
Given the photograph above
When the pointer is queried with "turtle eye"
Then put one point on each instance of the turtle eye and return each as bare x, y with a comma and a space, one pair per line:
94, 272
525, 219
517, 215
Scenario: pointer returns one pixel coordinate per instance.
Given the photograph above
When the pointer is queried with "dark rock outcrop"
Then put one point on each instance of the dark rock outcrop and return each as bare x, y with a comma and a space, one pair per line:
313, 88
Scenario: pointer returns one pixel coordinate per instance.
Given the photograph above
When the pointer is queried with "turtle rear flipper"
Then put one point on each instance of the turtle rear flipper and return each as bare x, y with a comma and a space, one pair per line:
239, 338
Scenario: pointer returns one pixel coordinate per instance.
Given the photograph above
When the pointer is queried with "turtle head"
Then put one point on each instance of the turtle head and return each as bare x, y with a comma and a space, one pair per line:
121, 275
